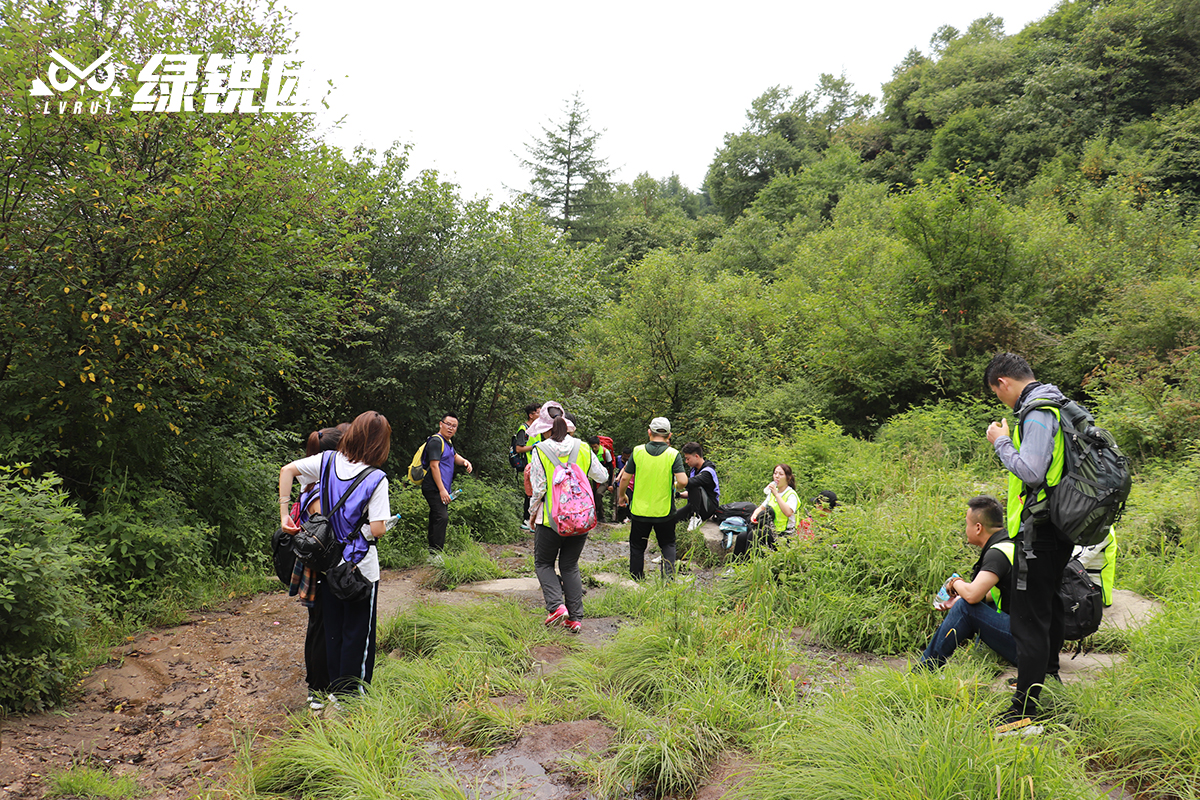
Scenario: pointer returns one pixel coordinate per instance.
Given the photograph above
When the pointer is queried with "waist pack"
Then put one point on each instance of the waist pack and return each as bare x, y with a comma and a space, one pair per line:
1083, 602
1095, 481
315, 543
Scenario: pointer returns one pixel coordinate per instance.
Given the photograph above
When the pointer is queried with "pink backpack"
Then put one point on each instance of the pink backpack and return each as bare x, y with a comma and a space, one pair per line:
573, 506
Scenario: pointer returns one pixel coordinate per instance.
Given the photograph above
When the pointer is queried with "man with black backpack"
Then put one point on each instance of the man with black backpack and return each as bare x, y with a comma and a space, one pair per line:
1033, 455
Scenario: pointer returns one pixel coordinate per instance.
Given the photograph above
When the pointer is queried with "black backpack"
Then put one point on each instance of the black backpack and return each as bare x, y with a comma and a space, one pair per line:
1083, 602
1095, 482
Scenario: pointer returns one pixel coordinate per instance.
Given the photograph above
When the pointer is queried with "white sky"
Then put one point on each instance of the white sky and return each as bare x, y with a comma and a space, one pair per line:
469, 83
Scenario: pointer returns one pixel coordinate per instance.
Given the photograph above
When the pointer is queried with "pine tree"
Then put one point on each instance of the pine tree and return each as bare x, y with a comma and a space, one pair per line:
568, 180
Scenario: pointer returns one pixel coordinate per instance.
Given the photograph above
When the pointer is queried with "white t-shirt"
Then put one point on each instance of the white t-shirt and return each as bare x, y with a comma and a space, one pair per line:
378, 509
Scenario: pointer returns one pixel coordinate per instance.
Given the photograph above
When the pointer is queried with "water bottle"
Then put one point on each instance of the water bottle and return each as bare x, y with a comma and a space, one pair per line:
943, 595
391, 522
454, 494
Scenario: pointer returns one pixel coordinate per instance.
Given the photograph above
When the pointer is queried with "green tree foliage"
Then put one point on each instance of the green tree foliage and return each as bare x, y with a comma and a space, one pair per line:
568, 178
466, 301
158, 266
784, 134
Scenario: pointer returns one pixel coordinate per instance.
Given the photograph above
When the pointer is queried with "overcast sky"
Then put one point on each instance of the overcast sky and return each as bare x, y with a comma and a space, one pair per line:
467, 84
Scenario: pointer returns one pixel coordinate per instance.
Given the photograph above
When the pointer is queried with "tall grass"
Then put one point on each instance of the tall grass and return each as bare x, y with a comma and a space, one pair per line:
900, 737
1140, 722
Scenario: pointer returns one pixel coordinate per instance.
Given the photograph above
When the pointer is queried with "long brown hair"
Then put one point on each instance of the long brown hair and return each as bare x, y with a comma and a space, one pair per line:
369, 439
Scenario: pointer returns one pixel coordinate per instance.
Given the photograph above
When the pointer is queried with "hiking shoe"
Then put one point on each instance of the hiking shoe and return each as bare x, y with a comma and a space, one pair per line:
315, 702
435, 559
556, 616
573, 626
1021, 727
525, 526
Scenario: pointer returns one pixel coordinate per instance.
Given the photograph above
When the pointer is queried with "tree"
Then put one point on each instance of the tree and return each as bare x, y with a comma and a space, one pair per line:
783, 135
568, 179
159, 268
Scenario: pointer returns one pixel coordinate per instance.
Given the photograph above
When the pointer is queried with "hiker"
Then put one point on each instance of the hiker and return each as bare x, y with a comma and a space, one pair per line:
605, 456
349, 626
1033, 457
305, 580
523, 444
703, 492
621, 513
979, 606
435, 486
822, 505
562, 591
653, 507
781, 499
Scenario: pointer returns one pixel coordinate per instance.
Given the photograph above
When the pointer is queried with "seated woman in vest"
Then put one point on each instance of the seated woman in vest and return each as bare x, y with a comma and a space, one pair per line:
781, 499
548, 545
703, 492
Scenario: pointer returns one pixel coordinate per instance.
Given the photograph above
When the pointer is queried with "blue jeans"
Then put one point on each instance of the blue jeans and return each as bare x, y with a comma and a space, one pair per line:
962, 622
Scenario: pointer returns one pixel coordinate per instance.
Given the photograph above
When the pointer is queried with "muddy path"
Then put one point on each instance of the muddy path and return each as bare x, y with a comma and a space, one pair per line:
172, 706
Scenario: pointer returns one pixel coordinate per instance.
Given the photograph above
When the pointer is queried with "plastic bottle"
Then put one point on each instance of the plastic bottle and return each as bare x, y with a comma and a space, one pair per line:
454, 494
390, 523
943, 595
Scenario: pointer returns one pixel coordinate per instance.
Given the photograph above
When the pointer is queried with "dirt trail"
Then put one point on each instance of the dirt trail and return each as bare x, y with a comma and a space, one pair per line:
172, 705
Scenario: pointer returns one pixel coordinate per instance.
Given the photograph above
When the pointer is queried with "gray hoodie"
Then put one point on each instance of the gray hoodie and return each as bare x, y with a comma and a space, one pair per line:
1032, 462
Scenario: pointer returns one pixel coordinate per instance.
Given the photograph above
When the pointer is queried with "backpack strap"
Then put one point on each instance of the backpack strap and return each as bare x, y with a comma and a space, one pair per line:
425, 453
346, 494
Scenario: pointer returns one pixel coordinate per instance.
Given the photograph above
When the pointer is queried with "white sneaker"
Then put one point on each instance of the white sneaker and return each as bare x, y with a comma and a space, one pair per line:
315, 702
728, 573
435, 559
656, 560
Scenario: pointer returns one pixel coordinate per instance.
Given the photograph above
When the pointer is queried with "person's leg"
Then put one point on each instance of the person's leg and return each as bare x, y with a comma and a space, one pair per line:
369, 662
439, 517
956, 628
664, 531
569, 550
333, 612
525, 512
1036, 618
545, 552
995, 630
315, 659
639, 537
357, 654
598, 498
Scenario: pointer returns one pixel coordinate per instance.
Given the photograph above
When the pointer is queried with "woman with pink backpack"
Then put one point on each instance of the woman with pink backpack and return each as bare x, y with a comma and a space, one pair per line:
563, 511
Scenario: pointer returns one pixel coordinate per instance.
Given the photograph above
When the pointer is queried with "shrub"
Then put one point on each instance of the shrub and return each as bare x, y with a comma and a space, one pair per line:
42, 605
145, 539
485, 512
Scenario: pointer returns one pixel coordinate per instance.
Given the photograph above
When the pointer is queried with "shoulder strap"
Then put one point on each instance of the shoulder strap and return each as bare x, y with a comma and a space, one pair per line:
361, 476
425, 454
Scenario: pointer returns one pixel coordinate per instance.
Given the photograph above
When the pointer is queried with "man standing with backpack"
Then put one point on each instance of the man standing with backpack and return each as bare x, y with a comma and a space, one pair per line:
440, 459
659, 471
1033, 455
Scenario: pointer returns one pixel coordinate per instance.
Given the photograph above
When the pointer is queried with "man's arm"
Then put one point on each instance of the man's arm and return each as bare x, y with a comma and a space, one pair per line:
976, 590
462, 462
681, 480
1032, 461
622, 498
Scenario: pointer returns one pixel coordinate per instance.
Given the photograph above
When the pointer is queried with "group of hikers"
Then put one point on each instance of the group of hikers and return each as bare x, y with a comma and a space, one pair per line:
1010, 601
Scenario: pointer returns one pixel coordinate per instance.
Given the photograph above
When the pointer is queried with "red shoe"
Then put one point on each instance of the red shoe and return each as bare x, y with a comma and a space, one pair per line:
573, 626
556, 615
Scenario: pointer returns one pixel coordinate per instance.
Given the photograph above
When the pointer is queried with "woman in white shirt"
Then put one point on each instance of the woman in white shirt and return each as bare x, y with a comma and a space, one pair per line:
349, 626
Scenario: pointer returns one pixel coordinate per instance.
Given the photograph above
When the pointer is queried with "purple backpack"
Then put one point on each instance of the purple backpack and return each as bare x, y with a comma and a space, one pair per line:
573, 506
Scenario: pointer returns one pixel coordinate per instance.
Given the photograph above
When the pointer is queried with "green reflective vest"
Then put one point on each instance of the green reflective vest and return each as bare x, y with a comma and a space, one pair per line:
1009, 549
583, 458
1016, 487
655, 482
